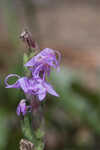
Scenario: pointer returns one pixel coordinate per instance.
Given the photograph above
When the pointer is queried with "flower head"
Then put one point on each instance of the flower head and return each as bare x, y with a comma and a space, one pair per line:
43, 62
32, 86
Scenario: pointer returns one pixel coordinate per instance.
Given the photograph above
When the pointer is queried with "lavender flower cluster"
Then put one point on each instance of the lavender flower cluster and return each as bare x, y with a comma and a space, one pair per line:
36, 85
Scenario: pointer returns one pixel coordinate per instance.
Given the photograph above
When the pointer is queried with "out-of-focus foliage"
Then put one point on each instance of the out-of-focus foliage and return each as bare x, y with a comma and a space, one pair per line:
76, 114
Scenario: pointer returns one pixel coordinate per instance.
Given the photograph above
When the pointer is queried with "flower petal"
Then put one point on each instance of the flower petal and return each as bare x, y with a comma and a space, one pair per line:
18, 111
22, 108
24, 84
35, 72
15, 85
59, 56
42, 95
50, 89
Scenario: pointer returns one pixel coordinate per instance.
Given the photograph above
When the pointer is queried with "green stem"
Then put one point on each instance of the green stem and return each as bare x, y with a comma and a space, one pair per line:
33, 126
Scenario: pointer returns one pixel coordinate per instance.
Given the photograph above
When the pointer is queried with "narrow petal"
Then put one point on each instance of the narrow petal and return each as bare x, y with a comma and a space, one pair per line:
35, 72
24, 84
15, 85
42, 95
59, 56
50, 89
18, 111
21, 108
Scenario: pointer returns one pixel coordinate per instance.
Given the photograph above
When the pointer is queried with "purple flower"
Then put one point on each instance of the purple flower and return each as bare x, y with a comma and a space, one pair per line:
43, 61
32, 86
21, 108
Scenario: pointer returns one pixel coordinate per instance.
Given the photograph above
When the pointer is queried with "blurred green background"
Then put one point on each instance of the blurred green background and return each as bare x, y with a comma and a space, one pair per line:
73, 28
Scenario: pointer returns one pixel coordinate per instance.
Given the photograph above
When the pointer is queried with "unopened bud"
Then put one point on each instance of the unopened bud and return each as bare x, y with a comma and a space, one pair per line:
27, 39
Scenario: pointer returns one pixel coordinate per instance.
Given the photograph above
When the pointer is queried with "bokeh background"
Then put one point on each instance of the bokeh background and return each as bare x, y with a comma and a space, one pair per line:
73, 28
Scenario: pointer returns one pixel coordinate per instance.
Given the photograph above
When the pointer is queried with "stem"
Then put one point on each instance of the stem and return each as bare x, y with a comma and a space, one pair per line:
38, 124
33, 125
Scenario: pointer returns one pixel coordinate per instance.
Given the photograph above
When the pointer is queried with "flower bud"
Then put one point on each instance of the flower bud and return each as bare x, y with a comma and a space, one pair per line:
27, 39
